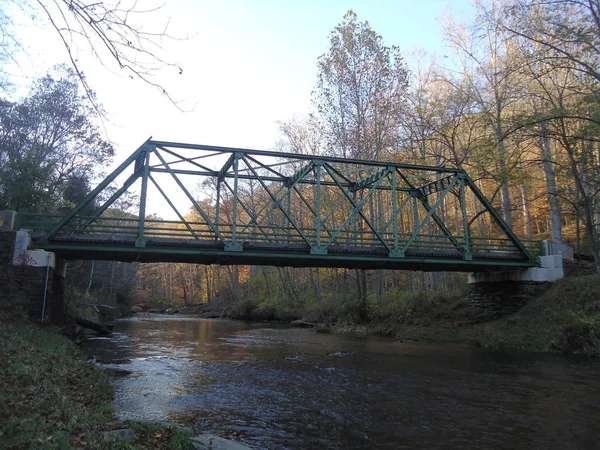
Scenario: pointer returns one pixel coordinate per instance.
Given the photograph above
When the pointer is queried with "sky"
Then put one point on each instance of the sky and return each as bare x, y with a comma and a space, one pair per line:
246, 65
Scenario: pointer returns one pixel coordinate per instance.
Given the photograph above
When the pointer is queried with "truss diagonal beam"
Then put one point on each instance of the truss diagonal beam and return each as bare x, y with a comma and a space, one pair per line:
278, 203
419, 227
165, 196
244, 207
511, 235
92, 195
264, 166
301, 173
182, 159
440, 223
194, 202
128, 183
357, 208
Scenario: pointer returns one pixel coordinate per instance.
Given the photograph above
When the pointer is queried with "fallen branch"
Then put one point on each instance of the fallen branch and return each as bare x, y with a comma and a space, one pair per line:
102, 329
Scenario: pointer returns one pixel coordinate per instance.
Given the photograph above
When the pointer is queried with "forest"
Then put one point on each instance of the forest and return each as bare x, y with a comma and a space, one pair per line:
513, 101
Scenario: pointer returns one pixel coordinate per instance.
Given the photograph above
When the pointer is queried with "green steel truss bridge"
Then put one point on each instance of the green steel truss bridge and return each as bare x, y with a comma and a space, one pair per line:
240, 206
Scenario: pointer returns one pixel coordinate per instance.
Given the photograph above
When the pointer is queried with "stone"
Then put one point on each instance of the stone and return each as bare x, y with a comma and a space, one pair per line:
125, 434
213, 442
136, 309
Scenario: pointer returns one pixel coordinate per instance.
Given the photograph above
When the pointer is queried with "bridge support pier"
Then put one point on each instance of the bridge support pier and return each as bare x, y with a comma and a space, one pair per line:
496, 294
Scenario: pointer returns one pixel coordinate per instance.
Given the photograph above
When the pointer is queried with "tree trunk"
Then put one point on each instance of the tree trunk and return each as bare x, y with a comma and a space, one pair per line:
525, 206
506, 206
316, 283
87, 290
547, 162
361, 291
587, 205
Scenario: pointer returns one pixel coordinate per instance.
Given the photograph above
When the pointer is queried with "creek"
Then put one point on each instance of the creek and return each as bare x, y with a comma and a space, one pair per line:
274, 387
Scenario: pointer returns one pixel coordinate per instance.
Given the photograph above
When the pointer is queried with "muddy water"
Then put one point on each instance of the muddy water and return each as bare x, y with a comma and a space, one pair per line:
281, 388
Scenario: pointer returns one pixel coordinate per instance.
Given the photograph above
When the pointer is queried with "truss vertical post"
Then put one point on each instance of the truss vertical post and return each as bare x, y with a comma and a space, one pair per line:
318, 249
467, 256
415, 209
236, 182
141, 240
218, 205
394, 252
234, 245
354, 221
289, 212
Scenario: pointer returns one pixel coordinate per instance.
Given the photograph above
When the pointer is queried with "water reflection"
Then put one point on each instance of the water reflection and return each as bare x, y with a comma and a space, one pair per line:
290, 388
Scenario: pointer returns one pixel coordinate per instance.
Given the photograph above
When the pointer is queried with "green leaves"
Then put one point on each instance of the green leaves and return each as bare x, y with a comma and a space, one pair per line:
50, 145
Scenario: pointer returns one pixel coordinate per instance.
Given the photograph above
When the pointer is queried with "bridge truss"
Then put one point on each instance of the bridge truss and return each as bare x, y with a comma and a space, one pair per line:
241, 206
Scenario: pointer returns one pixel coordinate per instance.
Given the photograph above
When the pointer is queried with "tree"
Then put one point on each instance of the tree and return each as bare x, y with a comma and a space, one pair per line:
48, 144
567, 32
488, 64
115, 33
359, 98
361, 87
564, 36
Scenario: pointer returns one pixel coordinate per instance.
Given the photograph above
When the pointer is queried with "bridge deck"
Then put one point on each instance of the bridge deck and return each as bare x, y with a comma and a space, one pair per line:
290, 255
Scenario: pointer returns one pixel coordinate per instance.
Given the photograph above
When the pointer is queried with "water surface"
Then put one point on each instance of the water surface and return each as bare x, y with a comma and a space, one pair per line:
285, 388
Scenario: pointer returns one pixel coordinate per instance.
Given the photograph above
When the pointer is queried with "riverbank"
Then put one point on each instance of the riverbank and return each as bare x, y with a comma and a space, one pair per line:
52, 398
566, 318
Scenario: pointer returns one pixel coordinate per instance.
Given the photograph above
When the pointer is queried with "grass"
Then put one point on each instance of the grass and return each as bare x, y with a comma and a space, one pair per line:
51, 398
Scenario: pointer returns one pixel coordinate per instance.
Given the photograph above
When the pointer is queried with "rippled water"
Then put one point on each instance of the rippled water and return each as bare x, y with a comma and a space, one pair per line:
282, 388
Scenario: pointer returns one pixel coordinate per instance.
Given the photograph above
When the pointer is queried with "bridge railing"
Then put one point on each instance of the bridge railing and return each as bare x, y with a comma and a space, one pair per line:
106, 228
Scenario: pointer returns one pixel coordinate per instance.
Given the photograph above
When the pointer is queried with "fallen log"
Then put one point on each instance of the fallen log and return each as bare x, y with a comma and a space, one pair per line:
303, 324
103, 330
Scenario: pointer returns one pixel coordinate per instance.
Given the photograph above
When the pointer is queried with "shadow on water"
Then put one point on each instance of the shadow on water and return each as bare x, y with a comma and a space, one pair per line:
281, 388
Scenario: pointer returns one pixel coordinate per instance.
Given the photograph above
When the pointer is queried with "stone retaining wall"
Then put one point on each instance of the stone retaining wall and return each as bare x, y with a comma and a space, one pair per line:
22, 284
492, 300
